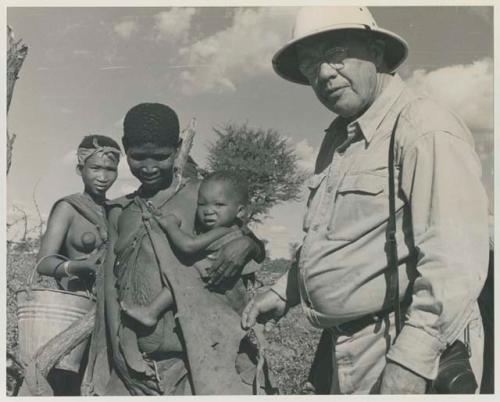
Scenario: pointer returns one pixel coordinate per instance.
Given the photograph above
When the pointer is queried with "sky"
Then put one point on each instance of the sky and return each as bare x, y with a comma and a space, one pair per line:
86, 67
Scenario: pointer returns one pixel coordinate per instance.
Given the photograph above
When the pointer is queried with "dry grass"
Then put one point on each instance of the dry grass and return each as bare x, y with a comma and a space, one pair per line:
292, 340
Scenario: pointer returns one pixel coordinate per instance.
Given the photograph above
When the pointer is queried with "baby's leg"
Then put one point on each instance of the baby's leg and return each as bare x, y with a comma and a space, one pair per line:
149, 315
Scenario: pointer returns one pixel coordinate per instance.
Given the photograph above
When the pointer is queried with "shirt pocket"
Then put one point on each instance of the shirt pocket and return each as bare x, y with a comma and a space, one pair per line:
313, 183
361, 206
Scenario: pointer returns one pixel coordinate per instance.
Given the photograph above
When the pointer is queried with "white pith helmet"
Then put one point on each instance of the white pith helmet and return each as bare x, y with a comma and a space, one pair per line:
319, 21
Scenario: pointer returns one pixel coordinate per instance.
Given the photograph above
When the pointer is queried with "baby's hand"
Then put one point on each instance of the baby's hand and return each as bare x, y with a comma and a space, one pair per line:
169, 220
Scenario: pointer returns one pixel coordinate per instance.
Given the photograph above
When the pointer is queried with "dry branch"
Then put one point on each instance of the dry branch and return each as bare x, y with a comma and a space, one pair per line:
182, 156
16, 53
10, 145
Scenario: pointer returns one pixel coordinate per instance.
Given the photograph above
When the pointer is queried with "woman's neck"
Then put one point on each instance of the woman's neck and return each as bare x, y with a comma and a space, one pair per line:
97, 198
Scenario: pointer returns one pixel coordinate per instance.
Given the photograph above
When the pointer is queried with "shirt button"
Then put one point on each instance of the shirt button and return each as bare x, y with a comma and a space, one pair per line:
315, 227
329, 189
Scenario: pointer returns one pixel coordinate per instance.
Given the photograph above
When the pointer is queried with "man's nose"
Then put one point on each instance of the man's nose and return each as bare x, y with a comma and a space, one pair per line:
327, 70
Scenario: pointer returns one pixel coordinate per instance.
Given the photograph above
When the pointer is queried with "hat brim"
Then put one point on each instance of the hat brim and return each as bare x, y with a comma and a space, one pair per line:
286, 65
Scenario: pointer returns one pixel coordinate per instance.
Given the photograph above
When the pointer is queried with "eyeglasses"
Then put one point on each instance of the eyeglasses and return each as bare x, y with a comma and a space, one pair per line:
334, 57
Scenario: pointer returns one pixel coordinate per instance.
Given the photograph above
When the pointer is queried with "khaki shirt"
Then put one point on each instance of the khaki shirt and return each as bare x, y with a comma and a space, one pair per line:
442, 229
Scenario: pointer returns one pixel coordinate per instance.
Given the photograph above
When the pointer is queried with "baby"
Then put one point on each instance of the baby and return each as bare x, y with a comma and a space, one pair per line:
222, 201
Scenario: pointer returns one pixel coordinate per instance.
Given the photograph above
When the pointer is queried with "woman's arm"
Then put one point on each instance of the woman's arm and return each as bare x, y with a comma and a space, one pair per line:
53, 240
188, 243
60, 221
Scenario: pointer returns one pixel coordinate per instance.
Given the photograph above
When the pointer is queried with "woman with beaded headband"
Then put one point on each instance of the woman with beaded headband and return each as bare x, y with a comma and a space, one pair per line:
73, 244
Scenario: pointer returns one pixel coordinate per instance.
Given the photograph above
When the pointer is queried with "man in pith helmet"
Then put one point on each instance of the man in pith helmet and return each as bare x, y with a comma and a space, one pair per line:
342, 275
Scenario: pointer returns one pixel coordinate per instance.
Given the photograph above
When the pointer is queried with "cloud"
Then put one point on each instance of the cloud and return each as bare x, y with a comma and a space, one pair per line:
243, 49
280, 230
106, 68
278, 238
467, 89
125, 29
172, 24
306, 154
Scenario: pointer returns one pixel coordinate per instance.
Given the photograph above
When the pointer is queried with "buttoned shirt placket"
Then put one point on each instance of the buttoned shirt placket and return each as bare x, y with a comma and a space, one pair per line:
341, 161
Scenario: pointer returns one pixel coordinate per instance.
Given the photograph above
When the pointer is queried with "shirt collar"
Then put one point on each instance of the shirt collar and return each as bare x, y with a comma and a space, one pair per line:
369, 121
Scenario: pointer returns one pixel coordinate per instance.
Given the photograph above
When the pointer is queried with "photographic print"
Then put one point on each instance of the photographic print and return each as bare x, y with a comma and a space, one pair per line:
236, 200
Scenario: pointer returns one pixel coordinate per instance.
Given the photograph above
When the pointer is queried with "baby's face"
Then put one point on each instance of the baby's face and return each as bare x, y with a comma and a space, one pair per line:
217, 206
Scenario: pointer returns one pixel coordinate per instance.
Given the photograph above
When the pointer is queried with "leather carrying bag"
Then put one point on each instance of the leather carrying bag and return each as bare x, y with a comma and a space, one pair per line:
455, 375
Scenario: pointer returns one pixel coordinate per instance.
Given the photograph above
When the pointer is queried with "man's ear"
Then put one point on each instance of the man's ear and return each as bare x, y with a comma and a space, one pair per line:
78, 170
377, 49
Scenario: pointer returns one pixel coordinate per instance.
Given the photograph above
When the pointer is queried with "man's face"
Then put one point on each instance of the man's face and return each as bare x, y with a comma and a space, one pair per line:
98, 174
342, 71
217, 206
152, 165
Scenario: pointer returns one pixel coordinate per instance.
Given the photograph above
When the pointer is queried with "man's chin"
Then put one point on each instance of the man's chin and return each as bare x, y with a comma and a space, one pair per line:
343, 109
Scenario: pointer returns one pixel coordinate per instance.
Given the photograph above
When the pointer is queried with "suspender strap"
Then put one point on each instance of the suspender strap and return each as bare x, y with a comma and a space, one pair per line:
391, 244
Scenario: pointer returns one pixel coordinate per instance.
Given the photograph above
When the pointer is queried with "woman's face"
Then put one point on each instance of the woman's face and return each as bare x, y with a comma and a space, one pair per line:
152, 165
98, 174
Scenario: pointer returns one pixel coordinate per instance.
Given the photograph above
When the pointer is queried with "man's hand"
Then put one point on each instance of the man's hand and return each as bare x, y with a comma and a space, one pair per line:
231, 260
266, 305
397, 379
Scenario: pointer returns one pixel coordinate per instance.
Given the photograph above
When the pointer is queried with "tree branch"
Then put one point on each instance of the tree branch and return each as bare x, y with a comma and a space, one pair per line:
16, 53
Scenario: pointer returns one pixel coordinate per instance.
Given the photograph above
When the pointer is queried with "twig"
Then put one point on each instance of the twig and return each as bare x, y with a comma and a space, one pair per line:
40, 234
182, 156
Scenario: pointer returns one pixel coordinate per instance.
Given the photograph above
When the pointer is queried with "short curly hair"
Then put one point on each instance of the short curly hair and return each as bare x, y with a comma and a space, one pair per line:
239, 185
154, 123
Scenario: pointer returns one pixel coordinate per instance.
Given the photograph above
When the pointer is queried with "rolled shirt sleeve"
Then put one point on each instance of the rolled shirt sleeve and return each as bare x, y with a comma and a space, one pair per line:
440, 177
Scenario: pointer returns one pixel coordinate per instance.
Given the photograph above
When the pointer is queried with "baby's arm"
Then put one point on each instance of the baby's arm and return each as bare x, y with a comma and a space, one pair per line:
188, 243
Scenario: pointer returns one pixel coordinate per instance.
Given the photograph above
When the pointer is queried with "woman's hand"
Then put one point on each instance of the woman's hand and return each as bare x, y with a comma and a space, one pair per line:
231, 260
86, 268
